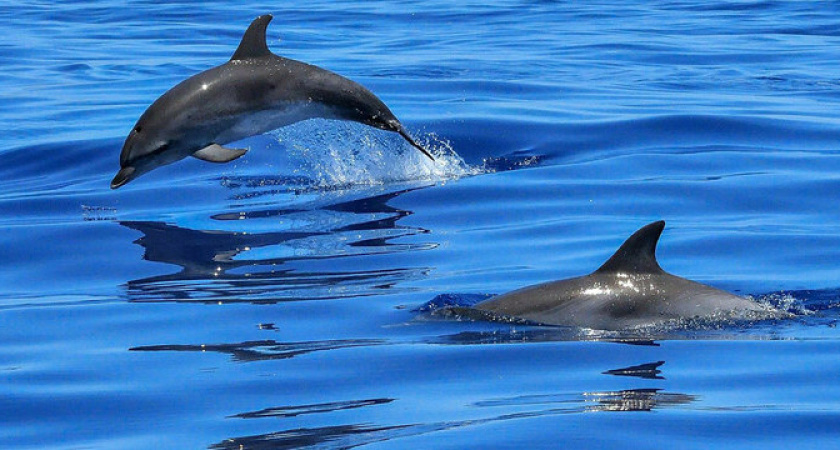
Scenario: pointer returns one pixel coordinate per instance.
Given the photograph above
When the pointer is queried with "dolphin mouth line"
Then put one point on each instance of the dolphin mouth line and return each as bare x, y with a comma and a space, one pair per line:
123, 176
129, 172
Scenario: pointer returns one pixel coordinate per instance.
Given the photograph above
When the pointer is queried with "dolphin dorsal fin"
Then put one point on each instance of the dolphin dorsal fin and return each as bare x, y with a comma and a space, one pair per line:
638, 253
253, 42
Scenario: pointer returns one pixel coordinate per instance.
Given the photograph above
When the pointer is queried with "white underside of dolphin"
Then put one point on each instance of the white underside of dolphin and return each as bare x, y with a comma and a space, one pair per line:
255, 92
629, 291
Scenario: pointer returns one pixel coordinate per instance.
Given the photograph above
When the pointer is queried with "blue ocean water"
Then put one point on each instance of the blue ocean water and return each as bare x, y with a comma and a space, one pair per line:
278, 301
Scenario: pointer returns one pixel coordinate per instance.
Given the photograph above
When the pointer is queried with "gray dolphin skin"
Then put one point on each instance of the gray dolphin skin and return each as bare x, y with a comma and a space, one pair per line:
255, 92
629, 291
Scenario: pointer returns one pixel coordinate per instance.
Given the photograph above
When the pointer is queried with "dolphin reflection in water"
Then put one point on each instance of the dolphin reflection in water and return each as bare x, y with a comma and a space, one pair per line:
258, 266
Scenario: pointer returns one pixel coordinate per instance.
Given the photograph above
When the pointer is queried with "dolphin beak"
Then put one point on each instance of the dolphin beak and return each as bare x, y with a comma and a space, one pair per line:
125, 175
414, 143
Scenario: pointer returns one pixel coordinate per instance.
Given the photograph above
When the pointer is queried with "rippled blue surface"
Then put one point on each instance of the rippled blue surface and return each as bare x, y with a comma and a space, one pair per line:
271, 303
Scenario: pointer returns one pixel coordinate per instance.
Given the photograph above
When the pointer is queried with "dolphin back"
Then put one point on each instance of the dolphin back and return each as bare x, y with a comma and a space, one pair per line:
628, 291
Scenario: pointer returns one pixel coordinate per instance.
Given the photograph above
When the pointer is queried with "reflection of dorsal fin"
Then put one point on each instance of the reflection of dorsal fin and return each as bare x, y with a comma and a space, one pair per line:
638, 253
253, 42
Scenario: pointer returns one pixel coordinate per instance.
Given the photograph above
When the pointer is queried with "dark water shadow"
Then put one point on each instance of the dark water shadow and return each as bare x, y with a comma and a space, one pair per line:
219, 266
647, 371
251, 351
493, 410
299, 410
339, 436
356, 435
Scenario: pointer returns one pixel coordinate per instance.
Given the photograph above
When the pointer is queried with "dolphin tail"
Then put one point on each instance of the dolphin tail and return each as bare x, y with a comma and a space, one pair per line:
414, 143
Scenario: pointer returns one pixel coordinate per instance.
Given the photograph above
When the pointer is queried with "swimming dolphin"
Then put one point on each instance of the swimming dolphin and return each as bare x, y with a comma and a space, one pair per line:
255, 92
630, 290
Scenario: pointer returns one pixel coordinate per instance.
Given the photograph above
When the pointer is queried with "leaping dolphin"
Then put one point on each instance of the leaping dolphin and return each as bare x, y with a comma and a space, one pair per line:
630, 290
255, 92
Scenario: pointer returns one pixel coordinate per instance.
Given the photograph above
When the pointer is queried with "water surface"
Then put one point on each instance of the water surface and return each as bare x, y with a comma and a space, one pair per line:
273, 302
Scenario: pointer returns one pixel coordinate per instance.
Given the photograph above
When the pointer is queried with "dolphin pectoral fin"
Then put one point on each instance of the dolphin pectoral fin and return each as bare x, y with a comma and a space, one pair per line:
123, 176
217, 154
414, 143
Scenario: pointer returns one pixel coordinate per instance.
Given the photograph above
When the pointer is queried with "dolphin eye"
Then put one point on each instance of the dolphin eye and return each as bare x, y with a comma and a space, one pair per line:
137, 129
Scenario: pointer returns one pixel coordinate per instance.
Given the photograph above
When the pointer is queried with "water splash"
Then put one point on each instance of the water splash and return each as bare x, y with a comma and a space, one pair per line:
784, 301
333, 153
